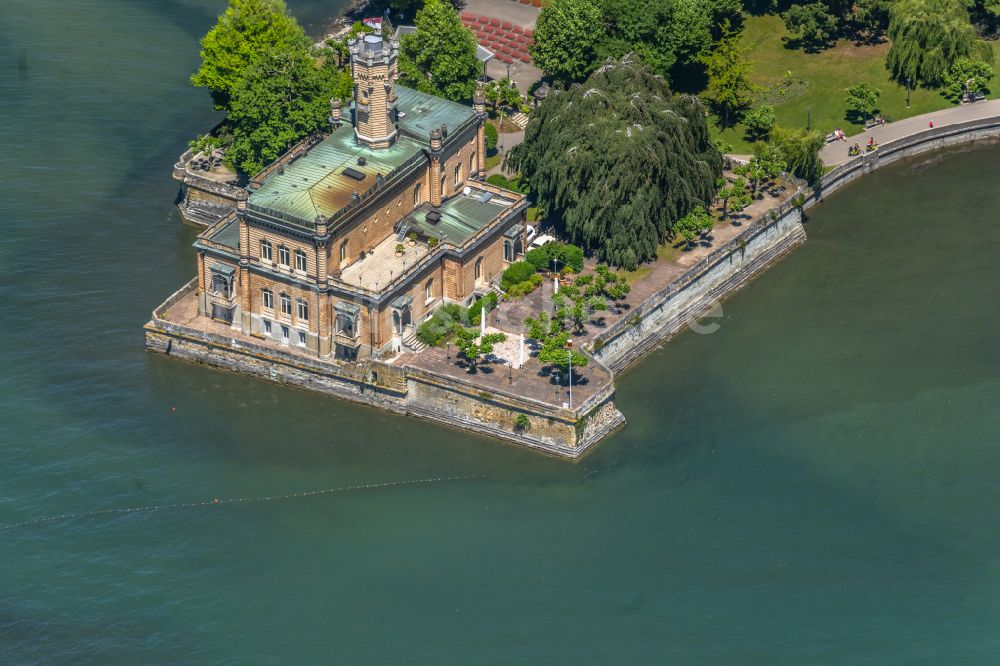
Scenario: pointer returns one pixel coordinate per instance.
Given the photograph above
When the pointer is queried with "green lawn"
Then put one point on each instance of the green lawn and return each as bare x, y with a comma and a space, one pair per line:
828, 73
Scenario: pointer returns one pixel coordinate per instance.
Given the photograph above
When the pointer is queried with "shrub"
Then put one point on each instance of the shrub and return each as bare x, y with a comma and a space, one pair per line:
433, 331
475, 311
567, 255
499, 180
966, 75
517, 272
492, 136
522, 423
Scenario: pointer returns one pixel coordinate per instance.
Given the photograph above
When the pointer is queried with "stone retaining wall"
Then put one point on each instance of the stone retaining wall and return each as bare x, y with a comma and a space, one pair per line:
709, 281
401, 390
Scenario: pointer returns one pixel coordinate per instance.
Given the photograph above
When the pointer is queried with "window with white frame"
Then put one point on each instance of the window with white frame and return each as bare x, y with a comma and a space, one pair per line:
285, 331
303, 308
286, 304
429, 291
416, 196
267, 298
343, 251
458, 174
300, 260
284, 257
302, 338
265, 249
267, 327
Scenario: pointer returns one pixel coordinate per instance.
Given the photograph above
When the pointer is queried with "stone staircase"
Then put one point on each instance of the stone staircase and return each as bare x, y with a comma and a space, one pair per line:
202, 213
413, 343
519, 119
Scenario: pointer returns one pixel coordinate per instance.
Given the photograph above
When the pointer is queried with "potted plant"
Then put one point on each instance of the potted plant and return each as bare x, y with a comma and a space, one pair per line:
412, 237
399, 249
432, 242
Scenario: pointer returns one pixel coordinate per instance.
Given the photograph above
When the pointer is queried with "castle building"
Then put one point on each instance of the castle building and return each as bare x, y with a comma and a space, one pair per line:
341, 248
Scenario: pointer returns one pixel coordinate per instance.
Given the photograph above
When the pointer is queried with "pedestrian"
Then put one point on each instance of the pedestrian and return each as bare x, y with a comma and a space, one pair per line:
931, 124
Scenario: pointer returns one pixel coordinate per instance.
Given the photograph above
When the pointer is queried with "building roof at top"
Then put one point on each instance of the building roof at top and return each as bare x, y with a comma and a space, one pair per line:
316, 183
419, 113
461, 216
228, 235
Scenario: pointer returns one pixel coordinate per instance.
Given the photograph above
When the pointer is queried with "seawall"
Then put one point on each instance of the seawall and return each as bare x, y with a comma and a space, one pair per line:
767, 239
405, 390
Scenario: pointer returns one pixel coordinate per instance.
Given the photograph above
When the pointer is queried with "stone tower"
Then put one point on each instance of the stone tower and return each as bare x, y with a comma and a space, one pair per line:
374, 70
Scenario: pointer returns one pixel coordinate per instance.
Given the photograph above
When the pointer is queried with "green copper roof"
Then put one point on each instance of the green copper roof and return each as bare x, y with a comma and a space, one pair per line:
461, 216
228, 235
420, 113
324, 180
316, 183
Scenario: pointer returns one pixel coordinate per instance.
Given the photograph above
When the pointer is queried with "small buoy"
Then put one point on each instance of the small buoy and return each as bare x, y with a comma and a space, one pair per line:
173, 409
215, 501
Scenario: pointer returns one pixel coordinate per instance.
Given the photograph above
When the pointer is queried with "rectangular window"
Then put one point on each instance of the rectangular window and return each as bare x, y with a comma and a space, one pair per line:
283, 256
302, 339
284, 334
265, 250
286, 305
267, 327
267, 299
303, 310
300, 260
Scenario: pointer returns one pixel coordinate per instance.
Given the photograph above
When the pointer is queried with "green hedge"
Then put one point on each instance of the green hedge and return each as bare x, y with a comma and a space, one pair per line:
520, 271
567, 255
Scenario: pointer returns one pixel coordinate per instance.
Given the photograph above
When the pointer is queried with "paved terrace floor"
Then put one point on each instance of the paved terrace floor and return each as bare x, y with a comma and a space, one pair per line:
383, 266
533, 381
509, 315
835, 154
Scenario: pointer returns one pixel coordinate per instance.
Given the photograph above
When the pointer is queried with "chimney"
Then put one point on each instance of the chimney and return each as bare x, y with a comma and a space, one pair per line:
479, 100
435, 141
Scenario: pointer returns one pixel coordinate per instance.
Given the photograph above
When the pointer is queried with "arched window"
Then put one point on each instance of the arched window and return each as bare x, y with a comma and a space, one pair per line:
284, 257
458, 174
265, 249
343, 251
286, 304
508, 251
416, 196
479, 268
267, 298
473, 165
300, 260
303, 310
429, 291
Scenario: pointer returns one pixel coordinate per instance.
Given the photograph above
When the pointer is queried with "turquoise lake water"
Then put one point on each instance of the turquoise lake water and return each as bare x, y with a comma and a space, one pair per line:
815, 483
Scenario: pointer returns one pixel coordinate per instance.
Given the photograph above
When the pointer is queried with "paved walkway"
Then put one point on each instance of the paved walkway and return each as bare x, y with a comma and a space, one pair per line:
835, 154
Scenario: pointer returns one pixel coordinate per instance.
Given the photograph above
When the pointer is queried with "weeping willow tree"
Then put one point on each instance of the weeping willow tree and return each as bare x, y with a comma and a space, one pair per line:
928, 36
617, 160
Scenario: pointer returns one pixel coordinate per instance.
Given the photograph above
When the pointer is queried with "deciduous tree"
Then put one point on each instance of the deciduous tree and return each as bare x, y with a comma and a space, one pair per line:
693, 225
439, 57
617, 161
927, 37
966, 76
567, 35
800, 150
812, 26
862, 101
473, 346
245, 34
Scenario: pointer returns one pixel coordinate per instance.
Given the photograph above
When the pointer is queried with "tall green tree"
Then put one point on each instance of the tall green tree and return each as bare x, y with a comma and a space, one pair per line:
439, 57
800, 152
928, 36
567, 35
966, 76
730, 91
617, 161
862, 101
278, 102
665, 33
243, 36
473, 346
812, 26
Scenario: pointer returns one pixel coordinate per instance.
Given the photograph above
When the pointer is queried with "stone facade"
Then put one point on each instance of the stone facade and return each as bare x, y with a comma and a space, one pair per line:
337, 285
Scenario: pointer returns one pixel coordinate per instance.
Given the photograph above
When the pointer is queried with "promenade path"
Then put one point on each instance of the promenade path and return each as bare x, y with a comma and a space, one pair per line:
835, 154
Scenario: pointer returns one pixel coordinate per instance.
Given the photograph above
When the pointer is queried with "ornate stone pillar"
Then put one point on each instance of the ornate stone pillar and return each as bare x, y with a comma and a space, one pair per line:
434, 196
324, 333
241, 209
202, 300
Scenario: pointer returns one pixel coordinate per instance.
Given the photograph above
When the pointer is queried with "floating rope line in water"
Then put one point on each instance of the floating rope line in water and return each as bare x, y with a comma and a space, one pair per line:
233, 500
